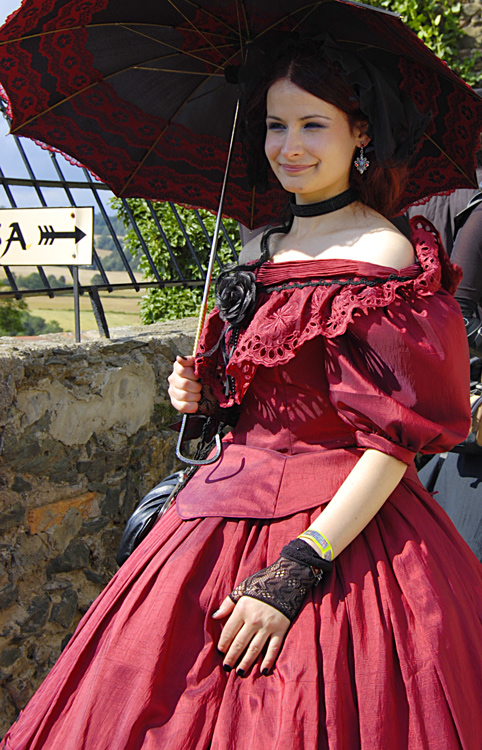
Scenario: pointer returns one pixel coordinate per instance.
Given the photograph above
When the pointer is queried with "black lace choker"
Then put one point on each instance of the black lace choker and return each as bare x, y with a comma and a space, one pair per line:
323, 207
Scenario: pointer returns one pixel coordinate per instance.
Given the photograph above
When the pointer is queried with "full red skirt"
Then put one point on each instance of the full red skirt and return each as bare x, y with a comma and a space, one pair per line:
382, 655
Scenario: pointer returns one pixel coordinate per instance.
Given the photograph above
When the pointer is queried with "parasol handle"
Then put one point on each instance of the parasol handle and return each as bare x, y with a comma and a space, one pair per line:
204, 302
197, 461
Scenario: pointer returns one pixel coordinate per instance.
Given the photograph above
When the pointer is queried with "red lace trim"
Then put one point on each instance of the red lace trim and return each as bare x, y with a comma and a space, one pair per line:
287, 318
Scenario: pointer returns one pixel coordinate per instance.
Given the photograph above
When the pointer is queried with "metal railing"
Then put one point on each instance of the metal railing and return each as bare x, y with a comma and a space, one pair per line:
97, 194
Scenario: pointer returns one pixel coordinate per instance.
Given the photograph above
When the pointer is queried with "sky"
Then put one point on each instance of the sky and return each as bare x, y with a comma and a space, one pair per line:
6, 7
12, 165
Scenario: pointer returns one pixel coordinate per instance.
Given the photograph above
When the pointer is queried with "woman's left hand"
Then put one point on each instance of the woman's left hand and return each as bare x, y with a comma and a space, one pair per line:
252, 625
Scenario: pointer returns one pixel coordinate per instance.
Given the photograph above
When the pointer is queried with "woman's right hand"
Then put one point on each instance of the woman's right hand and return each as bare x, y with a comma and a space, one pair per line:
184, 387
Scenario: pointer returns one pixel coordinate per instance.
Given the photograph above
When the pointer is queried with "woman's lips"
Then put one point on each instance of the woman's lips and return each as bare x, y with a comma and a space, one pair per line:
295, 168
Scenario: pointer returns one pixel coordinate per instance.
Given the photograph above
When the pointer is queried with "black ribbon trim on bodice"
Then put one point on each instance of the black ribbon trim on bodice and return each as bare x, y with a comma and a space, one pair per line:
268, 288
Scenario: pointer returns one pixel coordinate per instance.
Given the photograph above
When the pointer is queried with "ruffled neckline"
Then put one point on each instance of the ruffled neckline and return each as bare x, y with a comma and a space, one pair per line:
299, 300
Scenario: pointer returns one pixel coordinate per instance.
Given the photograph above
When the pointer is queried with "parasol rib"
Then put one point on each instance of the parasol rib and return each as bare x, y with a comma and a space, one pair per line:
240, 35
172, 70
150, 150
180, 50
124, 24
13, 131
133, 27
211, 15
284, 18
442, 151
188, 20
208, 93
245, 16
308, 14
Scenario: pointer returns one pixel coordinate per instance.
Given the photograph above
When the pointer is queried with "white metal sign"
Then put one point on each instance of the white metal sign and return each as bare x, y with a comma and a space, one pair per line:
46, 236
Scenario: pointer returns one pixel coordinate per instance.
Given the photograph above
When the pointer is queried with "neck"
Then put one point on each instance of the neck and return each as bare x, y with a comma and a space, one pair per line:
320, 208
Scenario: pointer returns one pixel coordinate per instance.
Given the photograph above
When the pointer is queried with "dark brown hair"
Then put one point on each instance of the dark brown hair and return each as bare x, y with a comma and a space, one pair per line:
303, 65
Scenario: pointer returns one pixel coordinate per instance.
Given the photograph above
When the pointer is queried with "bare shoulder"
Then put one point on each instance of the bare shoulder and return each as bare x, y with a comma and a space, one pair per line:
389, 247
385, 245
251, 250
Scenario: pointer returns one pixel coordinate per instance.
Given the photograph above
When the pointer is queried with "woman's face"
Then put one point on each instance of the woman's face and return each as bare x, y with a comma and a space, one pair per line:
309, 143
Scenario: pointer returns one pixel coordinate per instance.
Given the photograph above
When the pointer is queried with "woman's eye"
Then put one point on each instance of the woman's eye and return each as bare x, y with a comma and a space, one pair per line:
280, 127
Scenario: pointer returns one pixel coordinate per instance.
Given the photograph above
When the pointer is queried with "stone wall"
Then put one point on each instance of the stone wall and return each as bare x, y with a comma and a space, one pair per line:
471, 23
84, 435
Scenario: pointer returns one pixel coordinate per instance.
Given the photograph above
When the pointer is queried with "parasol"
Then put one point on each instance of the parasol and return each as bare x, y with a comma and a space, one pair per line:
137, 92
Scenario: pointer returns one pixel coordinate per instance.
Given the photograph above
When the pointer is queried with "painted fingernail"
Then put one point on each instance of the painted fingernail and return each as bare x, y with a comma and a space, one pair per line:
240, 673
221, 652
265, 672
227, 668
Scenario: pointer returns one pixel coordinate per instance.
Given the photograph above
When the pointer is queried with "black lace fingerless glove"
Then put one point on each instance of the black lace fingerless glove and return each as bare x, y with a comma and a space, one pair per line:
285, 583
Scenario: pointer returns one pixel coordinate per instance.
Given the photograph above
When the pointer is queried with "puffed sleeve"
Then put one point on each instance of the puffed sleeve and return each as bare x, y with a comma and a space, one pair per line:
399, 375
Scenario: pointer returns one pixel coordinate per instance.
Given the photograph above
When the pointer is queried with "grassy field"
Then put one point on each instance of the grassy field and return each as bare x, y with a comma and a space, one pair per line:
121, 309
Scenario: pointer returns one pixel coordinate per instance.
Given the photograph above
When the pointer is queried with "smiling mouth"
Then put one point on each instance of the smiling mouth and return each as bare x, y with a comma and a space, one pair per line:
295, 168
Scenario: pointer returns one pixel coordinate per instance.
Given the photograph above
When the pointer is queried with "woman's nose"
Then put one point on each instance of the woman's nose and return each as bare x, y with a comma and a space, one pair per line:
292, 145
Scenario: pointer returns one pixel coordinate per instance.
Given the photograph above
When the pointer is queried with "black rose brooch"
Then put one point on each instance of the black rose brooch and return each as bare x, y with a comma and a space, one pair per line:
235, 297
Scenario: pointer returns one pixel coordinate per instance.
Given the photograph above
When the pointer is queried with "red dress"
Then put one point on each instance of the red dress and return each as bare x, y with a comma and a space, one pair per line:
387, 651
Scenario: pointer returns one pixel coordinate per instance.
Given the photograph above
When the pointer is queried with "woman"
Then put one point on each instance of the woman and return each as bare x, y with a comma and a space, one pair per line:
218, 632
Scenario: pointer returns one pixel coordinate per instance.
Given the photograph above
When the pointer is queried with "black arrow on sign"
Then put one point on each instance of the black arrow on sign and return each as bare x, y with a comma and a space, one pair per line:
48, 235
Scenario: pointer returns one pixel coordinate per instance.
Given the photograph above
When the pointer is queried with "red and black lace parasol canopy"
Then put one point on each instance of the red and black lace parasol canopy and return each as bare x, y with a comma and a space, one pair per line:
137, 92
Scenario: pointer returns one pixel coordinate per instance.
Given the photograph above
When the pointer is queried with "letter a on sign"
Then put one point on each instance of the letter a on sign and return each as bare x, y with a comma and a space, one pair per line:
15, 236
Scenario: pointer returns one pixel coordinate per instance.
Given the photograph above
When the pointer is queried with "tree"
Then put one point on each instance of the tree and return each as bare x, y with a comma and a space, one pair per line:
34, 325
437, 23
172, 302
113, 261
11, 316
33, 281
15, 320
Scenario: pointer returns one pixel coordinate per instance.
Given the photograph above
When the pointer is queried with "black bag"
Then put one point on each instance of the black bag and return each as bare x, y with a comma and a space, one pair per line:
159, 499
149, 510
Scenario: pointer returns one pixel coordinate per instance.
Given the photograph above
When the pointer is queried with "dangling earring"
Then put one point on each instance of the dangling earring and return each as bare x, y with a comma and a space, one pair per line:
361, 162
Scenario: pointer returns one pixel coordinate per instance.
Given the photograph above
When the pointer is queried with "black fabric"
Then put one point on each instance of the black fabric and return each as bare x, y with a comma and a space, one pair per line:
395, 124
462, 216
403, 225
283, 585
300, 551
323, 207
467, 253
